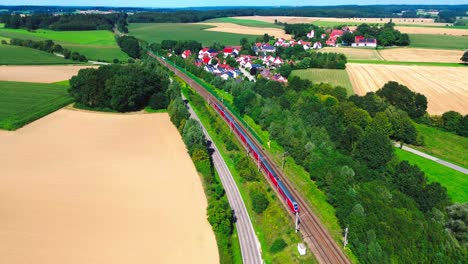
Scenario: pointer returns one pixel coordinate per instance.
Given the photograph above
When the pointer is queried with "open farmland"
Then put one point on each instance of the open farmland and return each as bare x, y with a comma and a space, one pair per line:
454, 181
21, 103
446, 88
433, 30
80, 187
438, 41
355, 53
157, 32
239, 29
40, 74
352, 21
333, 76
421, 55
94, 44
15, 55
244, 22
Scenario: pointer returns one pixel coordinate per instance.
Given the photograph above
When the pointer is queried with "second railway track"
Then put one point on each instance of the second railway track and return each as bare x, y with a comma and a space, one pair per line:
319, 240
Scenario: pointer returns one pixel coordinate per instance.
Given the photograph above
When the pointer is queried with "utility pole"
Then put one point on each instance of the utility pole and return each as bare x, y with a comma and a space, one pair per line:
345, 240
282, 163
297, 221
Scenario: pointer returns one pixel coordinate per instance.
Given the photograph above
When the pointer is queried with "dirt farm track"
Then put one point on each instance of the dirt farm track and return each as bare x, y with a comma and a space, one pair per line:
446, 88
79, 187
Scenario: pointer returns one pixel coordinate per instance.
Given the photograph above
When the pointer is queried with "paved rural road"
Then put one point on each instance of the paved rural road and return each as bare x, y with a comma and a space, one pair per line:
429, 157
249, 244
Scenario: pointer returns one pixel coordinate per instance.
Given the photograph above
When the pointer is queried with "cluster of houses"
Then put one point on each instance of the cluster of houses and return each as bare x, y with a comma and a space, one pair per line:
359, 41
281, 42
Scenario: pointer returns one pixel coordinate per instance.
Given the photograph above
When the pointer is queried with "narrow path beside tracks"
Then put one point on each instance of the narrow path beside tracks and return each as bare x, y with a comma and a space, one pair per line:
249, 244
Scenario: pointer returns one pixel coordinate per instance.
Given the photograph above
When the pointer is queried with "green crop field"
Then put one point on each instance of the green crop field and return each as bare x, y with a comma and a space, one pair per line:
22, 103
94, 44
438, 41
455, 182
244, 22
15, 55
333, 76
444, 145
157, 32
2, 25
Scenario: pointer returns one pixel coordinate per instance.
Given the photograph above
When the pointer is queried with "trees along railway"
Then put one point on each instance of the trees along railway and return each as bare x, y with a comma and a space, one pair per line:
314, 233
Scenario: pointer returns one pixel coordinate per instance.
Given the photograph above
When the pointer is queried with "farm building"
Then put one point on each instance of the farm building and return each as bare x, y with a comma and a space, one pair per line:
361, 41
311, 34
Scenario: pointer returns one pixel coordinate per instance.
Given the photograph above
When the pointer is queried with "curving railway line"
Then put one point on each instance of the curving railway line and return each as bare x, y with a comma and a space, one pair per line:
313, 232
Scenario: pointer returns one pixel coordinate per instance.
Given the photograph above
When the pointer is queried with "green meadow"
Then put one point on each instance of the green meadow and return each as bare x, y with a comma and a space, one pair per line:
157, 32
15, 55
334, 77
94, 44
22, 103
438, 41
455, 182
443, 145
244, 22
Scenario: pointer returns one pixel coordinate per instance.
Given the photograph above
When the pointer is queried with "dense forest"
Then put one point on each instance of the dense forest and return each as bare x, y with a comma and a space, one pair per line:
118, 88
67, 21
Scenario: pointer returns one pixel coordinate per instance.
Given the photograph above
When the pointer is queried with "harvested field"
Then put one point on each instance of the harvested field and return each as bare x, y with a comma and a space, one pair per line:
433, 30
82, 187
39, 74
424, 55
355, 53
239, 29
293, 20
446, 88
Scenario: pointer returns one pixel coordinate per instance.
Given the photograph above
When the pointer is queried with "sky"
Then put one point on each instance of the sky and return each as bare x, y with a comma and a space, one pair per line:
181, 3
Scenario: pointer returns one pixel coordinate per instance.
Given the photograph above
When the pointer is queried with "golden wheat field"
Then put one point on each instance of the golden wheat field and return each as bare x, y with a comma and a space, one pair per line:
446, 88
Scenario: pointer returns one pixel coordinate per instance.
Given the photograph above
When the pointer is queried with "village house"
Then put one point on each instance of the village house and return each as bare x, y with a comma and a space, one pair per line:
361, 41
186, 54
311, 34
263, 48
317, 45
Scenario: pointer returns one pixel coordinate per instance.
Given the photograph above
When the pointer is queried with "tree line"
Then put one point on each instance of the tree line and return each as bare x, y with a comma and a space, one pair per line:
220, 215
393, 212
386, 35
48, 46
66, 22
378, 11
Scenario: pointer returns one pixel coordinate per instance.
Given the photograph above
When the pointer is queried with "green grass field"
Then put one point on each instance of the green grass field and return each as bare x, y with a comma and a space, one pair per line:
438, 41
94, 44
157, 32
244, 22
455, 182
22, 103
15, 55
444, 145
333, 76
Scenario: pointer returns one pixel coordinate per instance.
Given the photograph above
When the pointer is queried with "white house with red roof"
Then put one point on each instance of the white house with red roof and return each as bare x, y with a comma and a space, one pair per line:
323, 36
361, 41
317, 45
186, 54
311, 34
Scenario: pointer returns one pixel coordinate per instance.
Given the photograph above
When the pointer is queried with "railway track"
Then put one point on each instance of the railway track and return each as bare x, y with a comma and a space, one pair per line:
313, 232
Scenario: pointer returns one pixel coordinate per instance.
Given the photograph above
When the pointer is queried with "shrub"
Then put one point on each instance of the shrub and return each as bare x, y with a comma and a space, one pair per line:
278, 245
259, 201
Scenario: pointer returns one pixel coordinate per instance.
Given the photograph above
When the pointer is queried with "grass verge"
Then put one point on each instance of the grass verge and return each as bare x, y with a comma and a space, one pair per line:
444, 145
22, 103
454, 181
